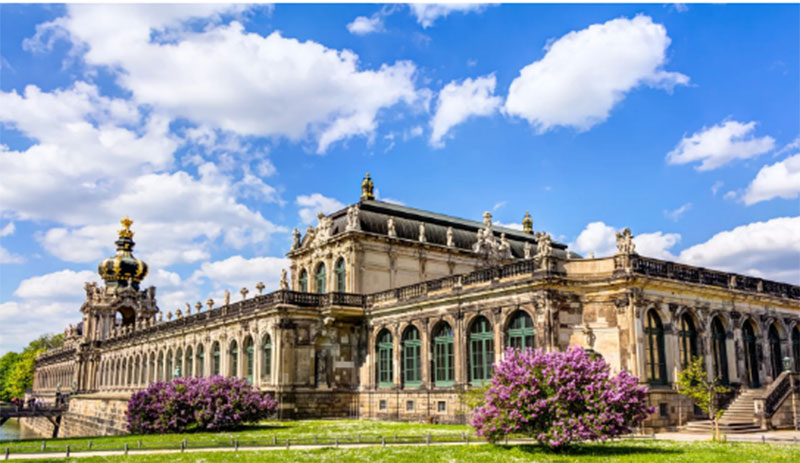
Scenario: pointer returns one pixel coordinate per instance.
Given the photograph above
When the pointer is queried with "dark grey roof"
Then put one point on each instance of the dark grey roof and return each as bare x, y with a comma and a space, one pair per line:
373, 216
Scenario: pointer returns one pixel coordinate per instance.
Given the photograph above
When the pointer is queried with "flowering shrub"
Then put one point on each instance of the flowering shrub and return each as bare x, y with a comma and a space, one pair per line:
558, 398
206, 403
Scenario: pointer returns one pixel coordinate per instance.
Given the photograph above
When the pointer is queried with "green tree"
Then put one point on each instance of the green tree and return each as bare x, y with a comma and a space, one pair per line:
693, 382
7, 364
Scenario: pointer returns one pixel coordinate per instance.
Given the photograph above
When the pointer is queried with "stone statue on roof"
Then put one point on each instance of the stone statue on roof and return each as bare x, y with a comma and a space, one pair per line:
527, 250
422, 238
324, 228
450, 242
390, 227
625, 244
295, 239
352, 218
284, 284
487, 220
544, 247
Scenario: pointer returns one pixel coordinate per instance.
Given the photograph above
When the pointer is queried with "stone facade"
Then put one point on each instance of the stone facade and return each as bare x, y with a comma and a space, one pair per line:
391, 312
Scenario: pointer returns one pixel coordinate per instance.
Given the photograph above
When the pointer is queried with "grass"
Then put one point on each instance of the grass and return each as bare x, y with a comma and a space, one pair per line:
618, 451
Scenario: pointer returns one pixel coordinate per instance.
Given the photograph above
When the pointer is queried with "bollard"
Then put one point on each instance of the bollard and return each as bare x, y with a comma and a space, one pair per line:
395, 437
140, 443
467, 441
126, 448
44, 444
763, 439
315, 439
336, 442
274, 441
358, 439
287, 442
428, 439
67, 452
463, 436
506, 439
383, 441
183, 446
231, 441
89, 445
236, 445
7, 452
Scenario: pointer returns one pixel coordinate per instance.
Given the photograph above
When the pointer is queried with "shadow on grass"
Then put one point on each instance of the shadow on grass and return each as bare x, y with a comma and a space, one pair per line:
598, 450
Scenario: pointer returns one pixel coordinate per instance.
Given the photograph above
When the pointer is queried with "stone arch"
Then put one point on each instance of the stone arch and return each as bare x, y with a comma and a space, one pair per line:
515, 331
751, 340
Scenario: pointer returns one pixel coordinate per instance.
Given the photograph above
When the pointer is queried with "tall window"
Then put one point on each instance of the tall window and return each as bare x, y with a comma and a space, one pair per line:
341, 276
303, 281
796, 348
266, 354
654, 357
751, 355
234, 359
189, 363
201, 359
775, 350
443, 359
320, 277
719, 351
152, 367
481, 351
520, 331
385, 359
169, 371
687, 337
412, 357
215, 355
178, 363
248, 358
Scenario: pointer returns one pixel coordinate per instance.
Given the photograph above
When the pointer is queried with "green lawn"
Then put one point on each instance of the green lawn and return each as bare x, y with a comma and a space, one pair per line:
618, 451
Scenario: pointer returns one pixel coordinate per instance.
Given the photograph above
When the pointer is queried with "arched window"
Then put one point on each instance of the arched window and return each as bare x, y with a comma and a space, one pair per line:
320, 278
796, 348
169, 371
385, 378
303, 281
341, 276
216, 360
687, 338
233, 359
520, 331
719, 351
412, 357
751, 355
443, 358
248, 359
189, 363
775, 350
481, 351
654, 357
179, 363
266, 363
201, 361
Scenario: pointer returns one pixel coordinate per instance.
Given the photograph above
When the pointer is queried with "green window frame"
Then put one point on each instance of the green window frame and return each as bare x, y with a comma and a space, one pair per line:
385, 348
751, 341
217, 364
412, 357
481, 351
304, 281
687, 340
200, 362
178, 363
248, 356
443, 356
234, 360
656, 366
719, 351
341, 276
520, 331
320, 277
267, 357
774, 339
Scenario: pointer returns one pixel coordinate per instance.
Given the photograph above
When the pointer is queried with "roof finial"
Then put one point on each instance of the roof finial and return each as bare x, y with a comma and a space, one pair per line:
126, 231
366, 188
527, 223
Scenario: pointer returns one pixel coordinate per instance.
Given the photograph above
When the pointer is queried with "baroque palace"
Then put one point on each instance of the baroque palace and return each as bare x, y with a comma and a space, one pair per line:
390, 312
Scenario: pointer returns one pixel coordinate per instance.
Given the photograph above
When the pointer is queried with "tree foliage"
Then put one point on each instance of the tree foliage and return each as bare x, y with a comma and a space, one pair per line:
559, 398
16, 369
693, 382
211, 404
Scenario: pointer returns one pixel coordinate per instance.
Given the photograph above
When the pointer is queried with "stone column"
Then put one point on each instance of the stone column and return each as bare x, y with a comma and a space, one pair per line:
460, 351
425, 355
397, 359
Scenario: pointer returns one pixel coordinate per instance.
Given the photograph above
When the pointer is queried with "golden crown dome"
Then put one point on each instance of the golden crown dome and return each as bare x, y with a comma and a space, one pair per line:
123, 269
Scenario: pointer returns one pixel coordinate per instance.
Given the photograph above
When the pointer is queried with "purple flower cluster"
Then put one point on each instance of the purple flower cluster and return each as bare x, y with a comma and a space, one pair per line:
212, 404
559, 398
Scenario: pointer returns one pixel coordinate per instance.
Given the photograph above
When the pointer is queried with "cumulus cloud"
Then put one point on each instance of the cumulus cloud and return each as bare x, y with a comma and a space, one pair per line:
428, 13
311, 205
7, 230
8, 257
600, 239
585, 73
718, 145
676, 214
238, 272
769, 249
227, 78
656, 244
363, 25
779, 180
459, 101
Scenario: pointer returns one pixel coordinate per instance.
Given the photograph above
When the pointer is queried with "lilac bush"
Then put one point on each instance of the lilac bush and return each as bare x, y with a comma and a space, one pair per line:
211, 404
559, 398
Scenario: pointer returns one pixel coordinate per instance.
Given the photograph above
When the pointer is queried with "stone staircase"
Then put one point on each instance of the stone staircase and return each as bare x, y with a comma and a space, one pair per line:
738, 418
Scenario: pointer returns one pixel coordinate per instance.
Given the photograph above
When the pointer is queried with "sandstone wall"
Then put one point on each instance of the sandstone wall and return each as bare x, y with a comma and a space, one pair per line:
783, 418
39, 425
95, 415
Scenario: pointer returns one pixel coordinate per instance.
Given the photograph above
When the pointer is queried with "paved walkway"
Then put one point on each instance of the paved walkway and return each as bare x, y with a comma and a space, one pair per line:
770, 437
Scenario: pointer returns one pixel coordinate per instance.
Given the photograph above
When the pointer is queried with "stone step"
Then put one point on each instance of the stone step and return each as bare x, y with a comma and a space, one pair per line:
705, 426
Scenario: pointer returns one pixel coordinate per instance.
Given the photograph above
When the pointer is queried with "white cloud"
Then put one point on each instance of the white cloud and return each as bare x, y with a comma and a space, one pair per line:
585, 73
7, 230
237, 272
227, 78
716, 146
716, 186
656, 244
7, 257
65, 283
499, 205
768, 249
363, 25
779, 180
730, 195
459, 101
428, 13
311, 205
794, 145
600, 239
676, 214
513, 226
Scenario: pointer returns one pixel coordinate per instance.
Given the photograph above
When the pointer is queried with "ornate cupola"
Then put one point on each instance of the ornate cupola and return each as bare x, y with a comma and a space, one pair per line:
123, 270
527, 223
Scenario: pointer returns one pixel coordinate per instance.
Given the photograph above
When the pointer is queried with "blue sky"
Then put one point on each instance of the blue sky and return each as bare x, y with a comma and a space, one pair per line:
219, 129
